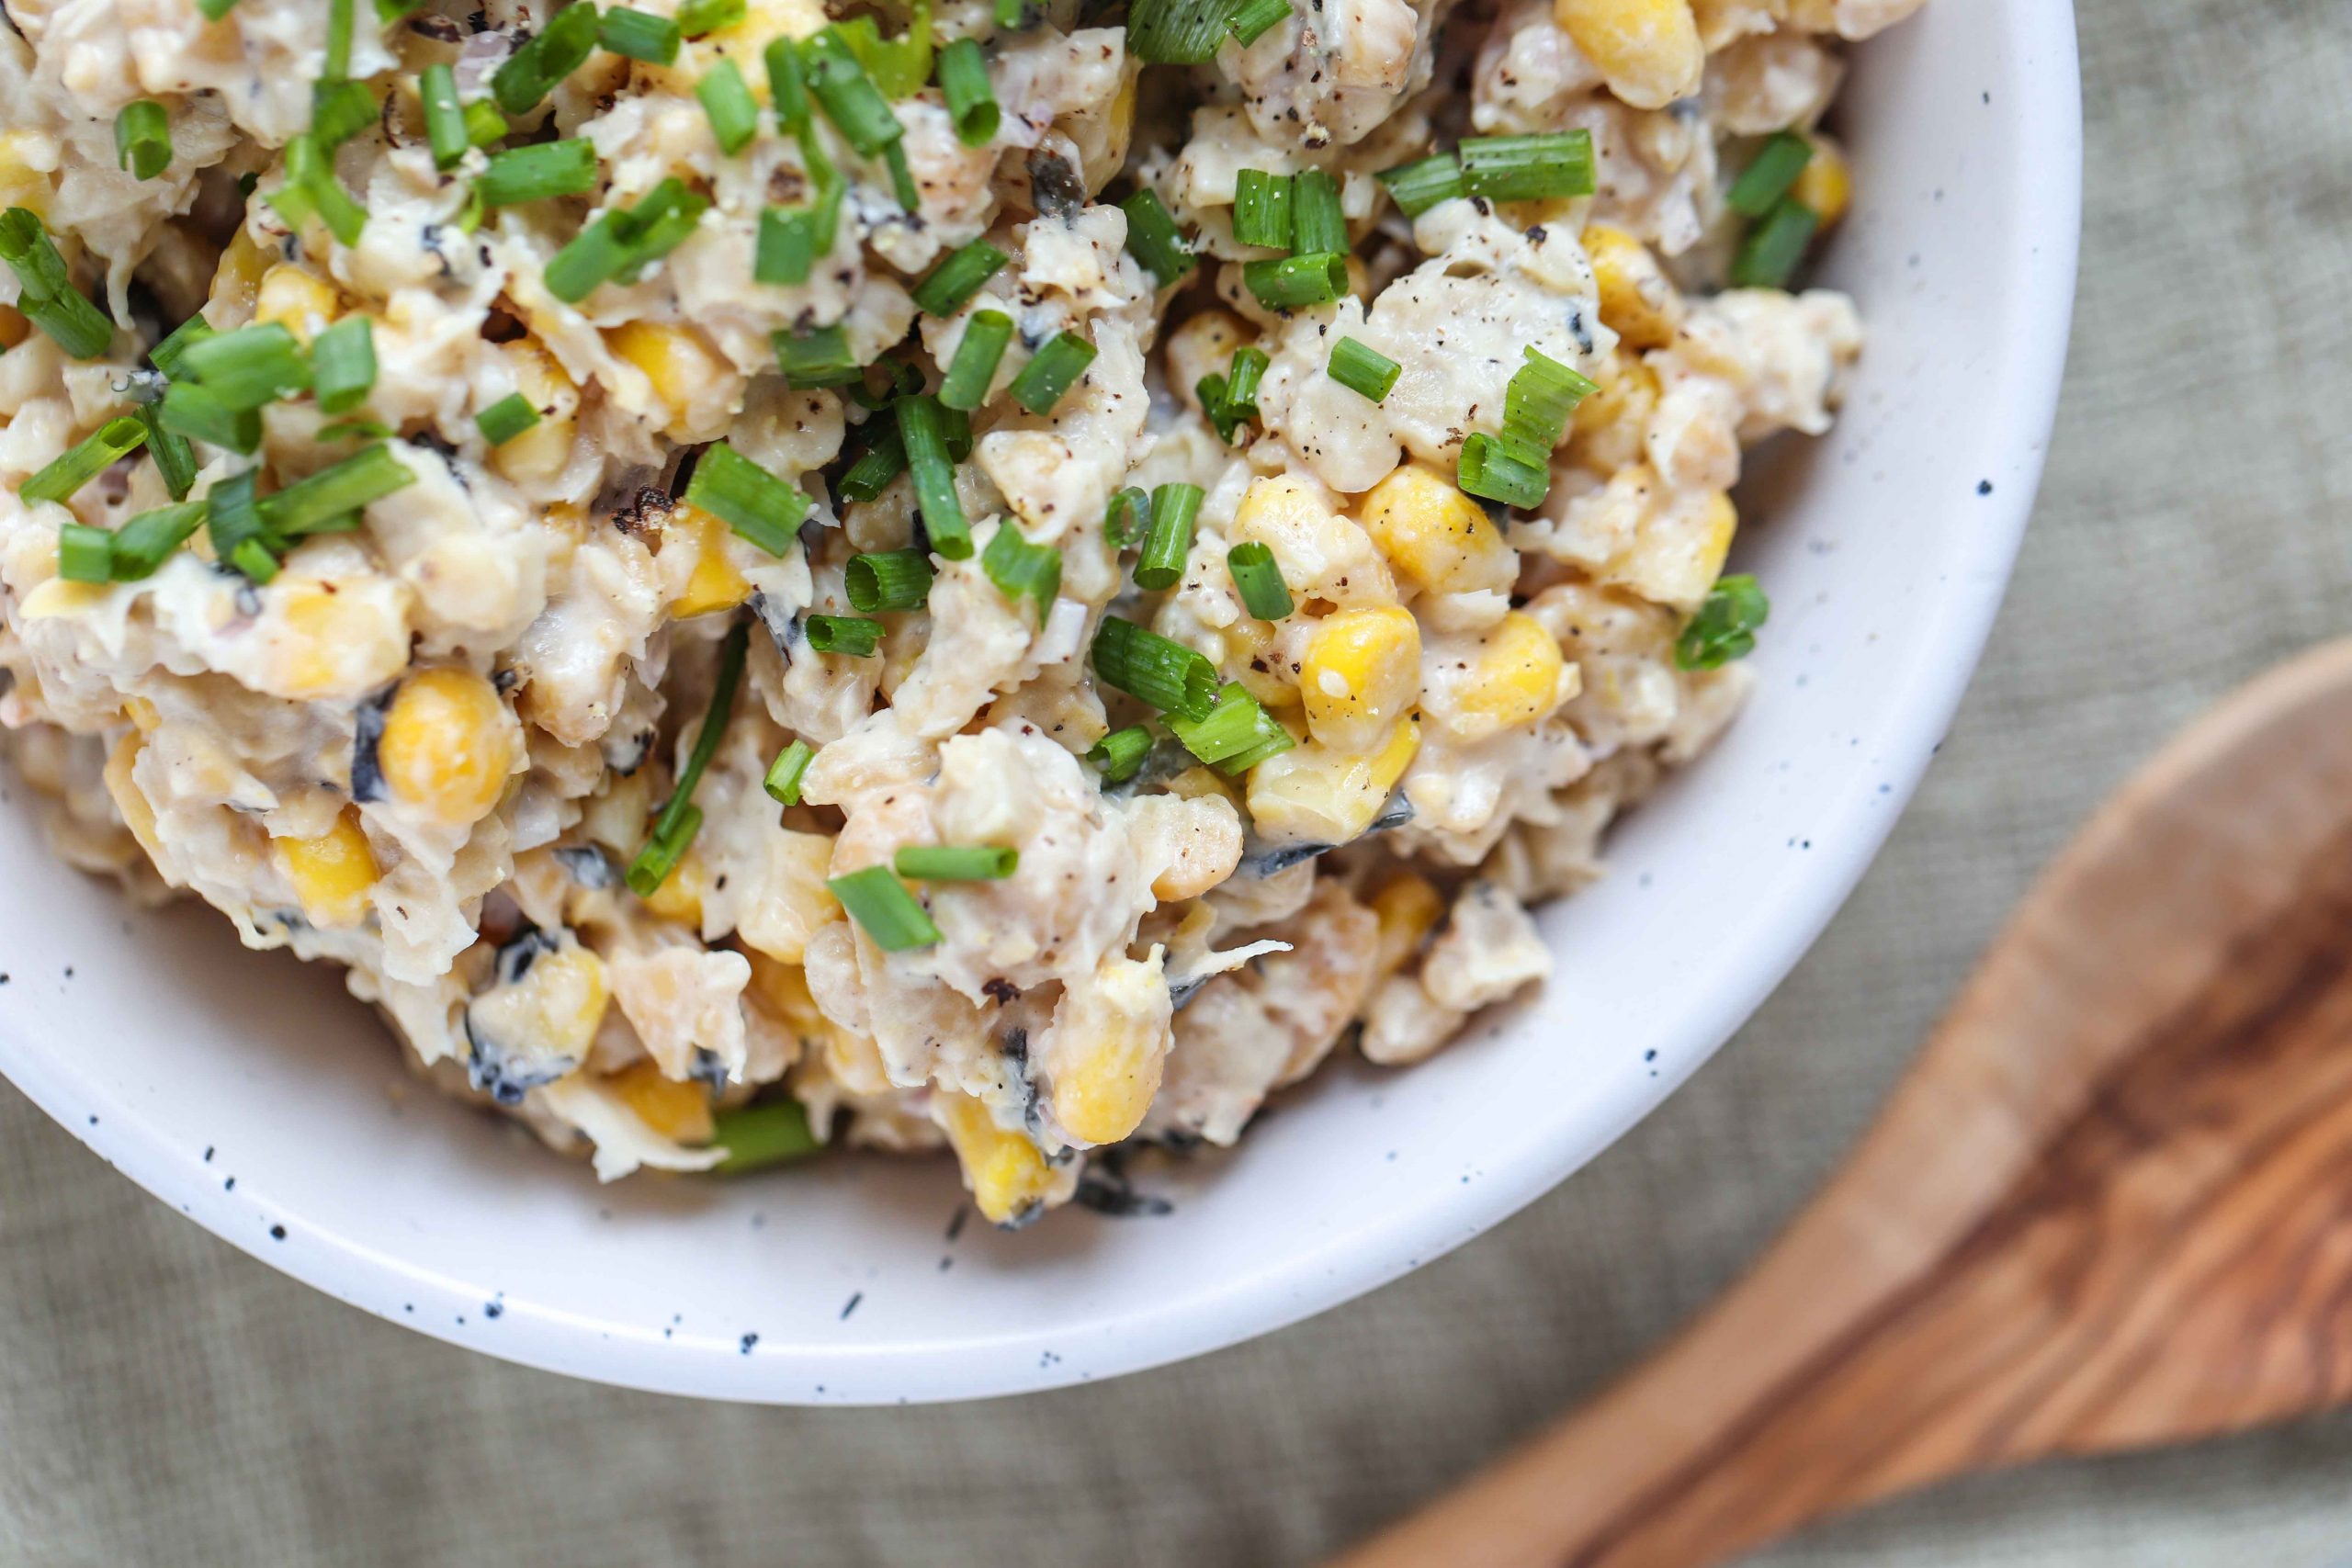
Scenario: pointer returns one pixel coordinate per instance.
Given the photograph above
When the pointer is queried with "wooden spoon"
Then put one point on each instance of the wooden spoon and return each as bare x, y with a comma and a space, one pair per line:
2109, 1207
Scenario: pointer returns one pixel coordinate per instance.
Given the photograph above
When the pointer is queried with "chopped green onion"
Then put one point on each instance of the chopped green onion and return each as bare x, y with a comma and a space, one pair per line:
788, 87
922, 428
587, 259
855, 635
1020, 570
659, 224
343, 365
956, 863
338, 59
818, 357
312, 190
1261, 209
1177, 32
1498, 471
1421, 185
215, 9
675, 824
1042, 381
1241, 380
640, 35
445, 117
484, 124
506, 419
756, 504
951, 285
1542, 395
1769, 175
250, 367
1216, 402
531, 72
1289, 282
787, 247
1768, 256
971, 98
891, 579
1255, 19
339, 111
1527, 168
903, 189
539, 171
1317, 226
899, 66
1259, 579
175, 462
201, 414
84, 461
1011, 13
1152, 669
306, 505
1121, 752
141, 546
47, 296
84, 553
235, 524
1363, 369
696, 17
848, 95
782, 781
1236, 734
734, 116
973, 370
884, 459
355, 430
165, 356
1724, 627
757, 1137
142, 139
884, 910
1153, 238
1128, 518
1170, 538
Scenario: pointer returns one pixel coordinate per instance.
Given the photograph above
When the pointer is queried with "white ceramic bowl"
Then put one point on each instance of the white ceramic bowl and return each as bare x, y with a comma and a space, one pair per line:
250, 1092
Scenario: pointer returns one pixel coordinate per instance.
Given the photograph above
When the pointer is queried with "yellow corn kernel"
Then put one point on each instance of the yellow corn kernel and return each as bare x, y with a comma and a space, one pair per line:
1647, 50
1361, 673
128, 798
14, 328
1607, 430
682, 371
1515, 679
297, 299
1108, 1048
141, 713
852, 1059
1638, 301
332, 873
679, 898
26, 160
1825, 183
553, 1010
1322, 554
540, 452
1437, 538
714, 583
1409, 908
678, 1111
448, 744
1007, 1175
63, 596
1314, 795
236, 281
794, 902
333, 643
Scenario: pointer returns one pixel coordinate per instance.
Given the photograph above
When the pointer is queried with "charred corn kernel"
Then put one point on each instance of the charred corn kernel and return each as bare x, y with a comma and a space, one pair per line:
1409, 906
540, 452
678, 1111
1322, 554
1647, 50
297, 299
236, 281
1108, 1046
679, 898
128, 798
682, 371
1638, 301
1360, 673
1007, 1175
1437, 538
332, 873
1515, 677
715, 584
1314, 795
1203, 345
14, 328
448, 744
1825, 183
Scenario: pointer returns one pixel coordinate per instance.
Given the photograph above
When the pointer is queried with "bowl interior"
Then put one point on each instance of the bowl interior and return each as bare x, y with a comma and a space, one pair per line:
248, 1091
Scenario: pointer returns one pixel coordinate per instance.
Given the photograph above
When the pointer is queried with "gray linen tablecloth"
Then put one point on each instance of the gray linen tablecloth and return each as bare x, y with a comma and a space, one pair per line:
164, 1400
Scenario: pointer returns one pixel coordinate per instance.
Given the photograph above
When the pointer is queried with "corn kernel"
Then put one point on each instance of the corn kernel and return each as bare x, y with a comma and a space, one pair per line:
26, 161
1607, 431
540, 452
1007, 1175
333, 642
852, 1060
297, 299
1827, 182
679, 898
1409, 908
332, 873
138, 815
1647, 50
1322, 554
1638, 301
1513, 679
1681, 552
448, 744
678, 1111
715, 584
553, 1011
684, 374
1437, 538
1314, 795
793, 903
236, 280
63, 596
1360, 673
1107, 1050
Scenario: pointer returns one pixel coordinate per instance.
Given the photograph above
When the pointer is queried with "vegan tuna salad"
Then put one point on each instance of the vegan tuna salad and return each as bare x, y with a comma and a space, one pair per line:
995, 574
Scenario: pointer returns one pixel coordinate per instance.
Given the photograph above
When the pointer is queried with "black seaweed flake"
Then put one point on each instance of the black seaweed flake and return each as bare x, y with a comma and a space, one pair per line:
586, 865
368, 734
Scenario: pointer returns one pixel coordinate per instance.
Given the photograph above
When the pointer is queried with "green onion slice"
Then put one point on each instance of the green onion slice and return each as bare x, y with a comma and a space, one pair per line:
1528, 168
484, 124
507, 418
973, 370
1241, 379
538, 172
1363, 369
956, 863
1724, 627
142, 139
1291, 282
84, 553
818, 357
1261, 209
853, 635
339, 111
921, 429
47, 296
787, 85
531, 72
84, 461
884, 459
891, 579
201, 414
1259, 579
1254, 18
784, 775
1154, 670
166, 356
786, 248
1042, 381
343, 365
142, 546
331, 492
757, 1137
445, 117
755, 503
971, 98
174, 460
1769, 175
1128, 518
1499, 470
1542, 396
1316, 224
1235, 735
1216, 402
1121, 752
1419, 186
675, 824
1020, 570
250, 367
1767, 259
848, 95
1177, 32
233, 521
696, 17
639, 35
1170, 538
1153, 238
339, 20
951, 285
726, 101
884, 910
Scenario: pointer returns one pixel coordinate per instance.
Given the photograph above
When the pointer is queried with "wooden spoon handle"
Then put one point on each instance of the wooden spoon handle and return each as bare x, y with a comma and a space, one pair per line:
2105, 1209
